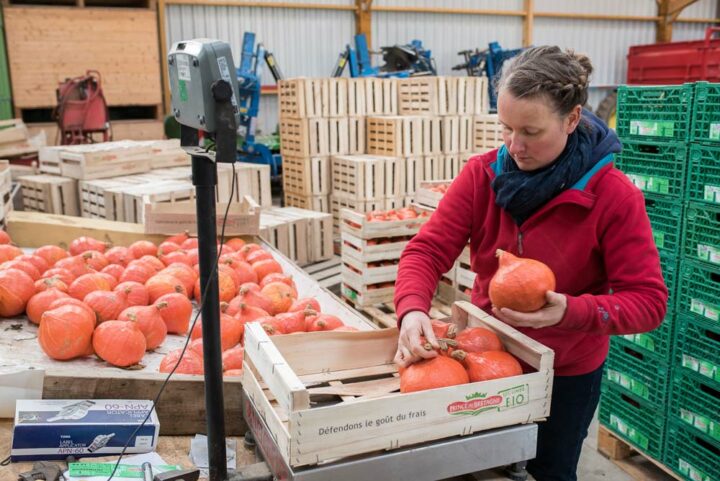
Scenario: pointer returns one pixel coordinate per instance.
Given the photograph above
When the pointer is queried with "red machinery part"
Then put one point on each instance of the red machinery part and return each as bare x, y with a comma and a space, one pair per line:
675, 62
82, 109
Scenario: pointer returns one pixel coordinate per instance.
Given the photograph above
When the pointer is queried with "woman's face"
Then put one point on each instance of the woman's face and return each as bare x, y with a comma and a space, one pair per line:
534, 134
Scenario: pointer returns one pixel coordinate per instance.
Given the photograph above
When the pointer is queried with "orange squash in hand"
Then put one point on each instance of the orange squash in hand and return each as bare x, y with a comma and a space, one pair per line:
484, 366
520, 284
432, 373
120, 343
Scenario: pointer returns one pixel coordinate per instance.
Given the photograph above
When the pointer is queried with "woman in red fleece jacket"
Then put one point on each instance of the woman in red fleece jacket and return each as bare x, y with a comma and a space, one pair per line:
550, 193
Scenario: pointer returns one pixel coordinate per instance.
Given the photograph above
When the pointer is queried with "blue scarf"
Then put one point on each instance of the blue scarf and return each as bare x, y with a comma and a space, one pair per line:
522, 193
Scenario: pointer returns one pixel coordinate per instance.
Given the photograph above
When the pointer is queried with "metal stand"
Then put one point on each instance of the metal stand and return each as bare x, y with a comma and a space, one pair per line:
428, 461
204, 174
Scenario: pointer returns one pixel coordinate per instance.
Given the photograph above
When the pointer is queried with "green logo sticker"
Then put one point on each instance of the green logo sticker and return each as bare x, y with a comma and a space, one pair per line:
647, 128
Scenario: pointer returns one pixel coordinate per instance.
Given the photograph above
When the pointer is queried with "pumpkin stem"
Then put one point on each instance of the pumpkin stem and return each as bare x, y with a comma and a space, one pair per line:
161, 305
449, 342
224, 306
452, 331
459, 355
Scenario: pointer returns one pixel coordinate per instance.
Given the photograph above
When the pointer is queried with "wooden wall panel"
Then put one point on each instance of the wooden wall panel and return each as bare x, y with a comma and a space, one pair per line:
48, 44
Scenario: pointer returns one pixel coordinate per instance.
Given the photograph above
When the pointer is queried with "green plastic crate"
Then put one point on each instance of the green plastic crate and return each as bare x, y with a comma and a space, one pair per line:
701, 228
689, 455
658, 342
670, 267
665, 214
706, 113
641, 375
655, 167
697, 403
698, 349
699, 291
703, 179
654, 112
636, 422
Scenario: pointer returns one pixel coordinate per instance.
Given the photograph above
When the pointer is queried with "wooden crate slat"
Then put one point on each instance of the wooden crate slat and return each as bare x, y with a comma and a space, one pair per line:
318, 203
414, 168
302, 98
384, 135
298, 233
135, 197
450, 134
306, 176
367, 273
356, 135
320, 233
487, 133
250, 179
371, 250
450, 166
466, 139
381, 96
418, 96
356, 97
398, 202
427, 197
481, 99
304, 137
362, 295
338, 136
432, 135
432, 167
357, 224
457, 95
5, 178
339, 202
337, 97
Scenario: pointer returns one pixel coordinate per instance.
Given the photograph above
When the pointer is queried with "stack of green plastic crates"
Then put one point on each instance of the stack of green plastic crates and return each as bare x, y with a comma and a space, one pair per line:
654, 126
662, 389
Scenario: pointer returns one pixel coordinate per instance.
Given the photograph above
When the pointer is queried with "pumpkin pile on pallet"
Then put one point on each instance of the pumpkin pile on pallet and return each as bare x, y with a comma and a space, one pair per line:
119, 302
366, 144
115, 180
370, 252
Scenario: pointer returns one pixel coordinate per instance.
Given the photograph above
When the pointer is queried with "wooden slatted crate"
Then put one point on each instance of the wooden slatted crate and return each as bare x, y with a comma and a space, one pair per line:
450, 166
281, 370
296, 231
338, 203
320, 233
274, 231
357, 224
49, 159
398, 202
466, 129
432, 135
302, 98
337, 97
306, 176
433, 167
372, 250
104, 160
166, 153
5, 180
356, 97
318, 203
250, 179
381, 96
450, 134
369, 273
487, 133
427, 194
102, 198
50, 194
356, 135
304, 137
5, 208
359, 177
481, 98
418, 96
13, 130
414, 167
163, 191
338, 136
385, 135
456, 95
365, 296
26, 147
243, 218
395, 177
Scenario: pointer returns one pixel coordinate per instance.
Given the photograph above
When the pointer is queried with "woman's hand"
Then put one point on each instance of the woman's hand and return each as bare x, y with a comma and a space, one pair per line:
549, 315
410, 350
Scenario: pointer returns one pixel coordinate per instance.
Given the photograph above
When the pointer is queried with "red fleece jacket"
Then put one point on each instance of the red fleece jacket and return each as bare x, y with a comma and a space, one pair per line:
595, 236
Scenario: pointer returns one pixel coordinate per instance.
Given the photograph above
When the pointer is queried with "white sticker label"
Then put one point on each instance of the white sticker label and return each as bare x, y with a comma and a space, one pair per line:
225, 74
714, 131
183, 66
709, 253
712, 193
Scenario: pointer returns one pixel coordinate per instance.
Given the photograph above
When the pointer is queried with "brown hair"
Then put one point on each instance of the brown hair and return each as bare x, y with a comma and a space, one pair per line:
561, 76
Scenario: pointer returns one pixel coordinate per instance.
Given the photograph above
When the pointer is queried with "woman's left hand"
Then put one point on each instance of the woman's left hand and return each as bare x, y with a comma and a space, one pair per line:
549, 315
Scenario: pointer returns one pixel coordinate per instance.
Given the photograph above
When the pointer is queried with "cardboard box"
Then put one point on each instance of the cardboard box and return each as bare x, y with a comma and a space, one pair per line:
56, 429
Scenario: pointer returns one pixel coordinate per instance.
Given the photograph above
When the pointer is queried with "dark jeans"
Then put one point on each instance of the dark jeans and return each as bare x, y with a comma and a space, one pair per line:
560, 438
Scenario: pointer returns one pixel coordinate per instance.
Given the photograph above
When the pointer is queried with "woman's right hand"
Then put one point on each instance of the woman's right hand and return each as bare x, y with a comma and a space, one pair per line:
410, 349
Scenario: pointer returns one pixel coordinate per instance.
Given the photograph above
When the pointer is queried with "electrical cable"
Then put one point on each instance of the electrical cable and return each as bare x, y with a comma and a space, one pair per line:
187, 340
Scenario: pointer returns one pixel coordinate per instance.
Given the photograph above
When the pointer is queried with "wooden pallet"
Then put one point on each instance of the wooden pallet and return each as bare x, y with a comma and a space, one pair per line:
487, 133
359, 177
381, 96
419, 96
50, 194
637, 464
313, 422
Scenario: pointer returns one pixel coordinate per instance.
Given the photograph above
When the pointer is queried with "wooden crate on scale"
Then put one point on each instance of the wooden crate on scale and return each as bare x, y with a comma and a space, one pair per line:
281, 373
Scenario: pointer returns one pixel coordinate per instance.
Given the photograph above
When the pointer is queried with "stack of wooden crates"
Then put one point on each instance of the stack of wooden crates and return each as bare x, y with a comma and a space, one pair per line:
365, 144
6, 204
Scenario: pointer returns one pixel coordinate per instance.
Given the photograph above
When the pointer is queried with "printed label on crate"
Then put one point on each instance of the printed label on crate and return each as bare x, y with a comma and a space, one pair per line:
701, 423
712, 194
647, 183
349, 293
629, 383
691, 472
628, 431
659, 238
701, 366
714, 133
478, 402
643, 340
709, 253
705, 309
649, 128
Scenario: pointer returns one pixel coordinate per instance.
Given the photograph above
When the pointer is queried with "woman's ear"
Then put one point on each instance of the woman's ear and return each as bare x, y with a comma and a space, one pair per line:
573, 119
